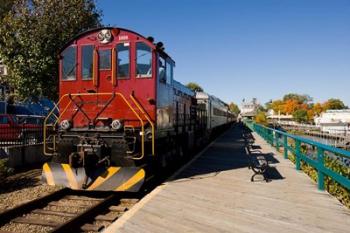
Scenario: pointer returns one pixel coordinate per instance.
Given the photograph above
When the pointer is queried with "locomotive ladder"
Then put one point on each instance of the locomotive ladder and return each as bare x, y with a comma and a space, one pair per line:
71, 99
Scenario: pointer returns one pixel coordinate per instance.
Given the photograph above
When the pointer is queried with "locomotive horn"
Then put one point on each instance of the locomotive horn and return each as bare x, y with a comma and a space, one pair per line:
104, 179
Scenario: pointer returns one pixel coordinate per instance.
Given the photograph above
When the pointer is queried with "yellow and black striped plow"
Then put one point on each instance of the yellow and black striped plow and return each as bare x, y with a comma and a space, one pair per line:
111, 179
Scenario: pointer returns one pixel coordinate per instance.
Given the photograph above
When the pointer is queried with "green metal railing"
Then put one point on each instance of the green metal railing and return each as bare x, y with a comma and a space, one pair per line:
292, 143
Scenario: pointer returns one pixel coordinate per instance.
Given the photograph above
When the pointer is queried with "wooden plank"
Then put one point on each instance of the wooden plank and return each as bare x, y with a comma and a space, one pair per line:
60, 204
56, 213
129, 201
118, 208
71, 197
106, 218
35, 221
91, 227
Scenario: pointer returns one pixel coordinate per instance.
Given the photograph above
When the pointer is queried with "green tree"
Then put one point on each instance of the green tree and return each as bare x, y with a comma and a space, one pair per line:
194, 87
334, 104
302, 99
234, 108
301, 116
5, 7
32, 33
277, 106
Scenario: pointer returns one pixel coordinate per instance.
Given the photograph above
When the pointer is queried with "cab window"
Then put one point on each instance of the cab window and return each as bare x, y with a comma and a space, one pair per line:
169, 72
87, 62
69, 63
123, 61
143, 60
105, 59
161, 70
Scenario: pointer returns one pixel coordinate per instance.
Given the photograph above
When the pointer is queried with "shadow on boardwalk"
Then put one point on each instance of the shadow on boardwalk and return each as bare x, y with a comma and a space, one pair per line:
226, 153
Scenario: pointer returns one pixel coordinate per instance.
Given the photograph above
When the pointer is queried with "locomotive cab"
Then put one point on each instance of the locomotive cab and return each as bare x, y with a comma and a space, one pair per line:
107, 108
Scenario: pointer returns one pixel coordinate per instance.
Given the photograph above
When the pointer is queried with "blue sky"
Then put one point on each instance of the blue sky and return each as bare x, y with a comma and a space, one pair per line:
239, 49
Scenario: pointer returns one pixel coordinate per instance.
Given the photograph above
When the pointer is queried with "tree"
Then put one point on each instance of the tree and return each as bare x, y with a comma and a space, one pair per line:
310, 115
334, 104
5, 7
317, 109
32, 33
291, 105
277, 106
301, 99
261, 118
300, 116
194, 87
234, 108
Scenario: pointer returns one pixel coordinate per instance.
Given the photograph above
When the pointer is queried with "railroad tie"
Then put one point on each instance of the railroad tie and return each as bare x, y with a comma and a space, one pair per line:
91, 227
56, 213
34, 221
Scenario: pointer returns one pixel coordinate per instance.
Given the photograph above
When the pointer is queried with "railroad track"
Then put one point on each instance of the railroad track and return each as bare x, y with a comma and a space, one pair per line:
68, 210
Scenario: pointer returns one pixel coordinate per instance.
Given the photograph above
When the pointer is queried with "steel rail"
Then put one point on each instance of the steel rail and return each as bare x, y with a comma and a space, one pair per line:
74, 224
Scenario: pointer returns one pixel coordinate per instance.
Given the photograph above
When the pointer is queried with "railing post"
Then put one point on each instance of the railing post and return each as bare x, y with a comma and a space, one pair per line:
297, 154
271, 136
277, 141
320, 175
285, 145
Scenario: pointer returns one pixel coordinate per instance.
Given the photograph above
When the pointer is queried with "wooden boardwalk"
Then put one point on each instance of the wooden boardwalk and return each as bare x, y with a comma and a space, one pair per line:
214, 194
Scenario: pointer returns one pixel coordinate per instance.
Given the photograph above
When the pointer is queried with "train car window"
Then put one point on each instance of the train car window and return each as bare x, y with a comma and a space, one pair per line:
87, 62
69, 63
123, 58
105, 59
169, 72
143, 60
161, 70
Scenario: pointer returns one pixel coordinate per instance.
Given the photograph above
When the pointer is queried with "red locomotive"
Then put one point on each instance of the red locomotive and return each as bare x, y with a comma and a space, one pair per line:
120, 110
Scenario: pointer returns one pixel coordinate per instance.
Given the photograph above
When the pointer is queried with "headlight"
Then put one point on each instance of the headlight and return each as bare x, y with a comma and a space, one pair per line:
65, 124
117, 124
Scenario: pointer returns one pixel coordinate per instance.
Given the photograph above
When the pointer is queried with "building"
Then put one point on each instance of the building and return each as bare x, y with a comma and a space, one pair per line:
278, 118
249, 109
334, 121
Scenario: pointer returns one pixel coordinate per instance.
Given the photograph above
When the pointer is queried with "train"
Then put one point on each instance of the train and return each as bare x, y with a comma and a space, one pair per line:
121, 115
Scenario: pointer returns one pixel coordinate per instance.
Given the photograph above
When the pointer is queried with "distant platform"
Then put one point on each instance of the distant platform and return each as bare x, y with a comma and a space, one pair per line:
214, 194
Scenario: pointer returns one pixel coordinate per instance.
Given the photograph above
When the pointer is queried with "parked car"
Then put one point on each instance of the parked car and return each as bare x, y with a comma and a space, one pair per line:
19, 127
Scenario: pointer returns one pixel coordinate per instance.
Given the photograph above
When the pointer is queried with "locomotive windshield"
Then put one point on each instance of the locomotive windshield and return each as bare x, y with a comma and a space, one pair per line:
87, 62
123, 60
143, 60
69, 63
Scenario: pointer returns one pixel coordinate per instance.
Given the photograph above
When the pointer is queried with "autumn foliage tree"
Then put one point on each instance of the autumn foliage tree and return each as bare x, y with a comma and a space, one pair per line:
32, 33
261, 118
302, 108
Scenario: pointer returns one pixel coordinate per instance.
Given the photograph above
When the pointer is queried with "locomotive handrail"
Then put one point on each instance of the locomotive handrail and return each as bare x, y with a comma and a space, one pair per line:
54, 124
114, 55
136, 102
94, 68
91, 94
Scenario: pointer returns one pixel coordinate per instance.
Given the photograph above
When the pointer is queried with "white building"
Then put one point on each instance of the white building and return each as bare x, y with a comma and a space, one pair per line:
334, 121
249, 109
280, 118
